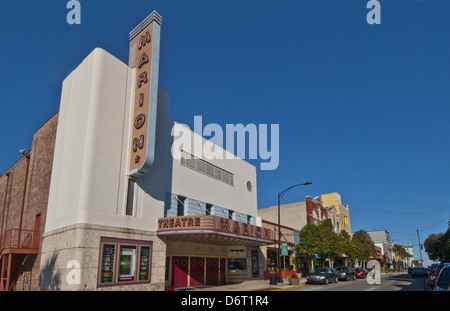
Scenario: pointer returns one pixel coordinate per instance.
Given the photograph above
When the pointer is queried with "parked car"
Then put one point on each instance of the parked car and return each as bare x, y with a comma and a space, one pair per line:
441, 283
323, 275
419, 271
443, 280
438, 269
361, 273
433, 268
346, 273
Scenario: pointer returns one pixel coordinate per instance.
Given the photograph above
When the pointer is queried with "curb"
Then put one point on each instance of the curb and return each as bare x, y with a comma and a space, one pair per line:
288, 288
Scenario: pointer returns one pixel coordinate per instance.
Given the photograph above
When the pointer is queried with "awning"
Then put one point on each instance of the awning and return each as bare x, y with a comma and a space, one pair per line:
209, 229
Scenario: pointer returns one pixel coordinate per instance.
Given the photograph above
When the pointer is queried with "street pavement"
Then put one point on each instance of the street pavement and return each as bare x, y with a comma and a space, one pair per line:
401, 281
389, 282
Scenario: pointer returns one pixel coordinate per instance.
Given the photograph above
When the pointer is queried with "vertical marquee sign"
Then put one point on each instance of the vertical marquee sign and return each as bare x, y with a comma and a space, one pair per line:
144, 57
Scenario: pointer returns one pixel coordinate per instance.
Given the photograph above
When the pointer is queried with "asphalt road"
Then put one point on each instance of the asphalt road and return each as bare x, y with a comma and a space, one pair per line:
389, 282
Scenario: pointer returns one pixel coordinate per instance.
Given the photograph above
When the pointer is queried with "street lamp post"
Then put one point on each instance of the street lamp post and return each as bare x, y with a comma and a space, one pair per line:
280, 195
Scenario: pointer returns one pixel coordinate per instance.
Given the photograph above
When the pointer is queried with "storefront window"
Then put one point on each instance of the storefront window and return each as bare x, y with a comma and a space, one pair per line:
237, 264
127, 264
124, 261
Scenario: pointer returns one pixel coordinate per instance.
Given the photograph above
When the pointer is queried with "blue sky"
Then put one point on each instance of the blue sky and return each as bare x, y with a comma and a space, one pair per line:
363, 109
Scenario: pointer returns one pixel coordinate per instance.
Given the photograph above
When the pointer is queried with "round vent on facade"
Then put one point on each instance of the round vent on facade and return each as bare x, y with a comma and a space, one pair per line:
249, 186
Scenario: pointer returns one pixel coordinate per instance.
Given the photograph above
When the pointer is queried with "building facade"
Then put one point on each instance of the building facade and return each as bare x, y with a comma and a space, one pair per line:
130, 208
382, 239
24, 192
334, 200
270, 252
296, 215
293, 217
410, 249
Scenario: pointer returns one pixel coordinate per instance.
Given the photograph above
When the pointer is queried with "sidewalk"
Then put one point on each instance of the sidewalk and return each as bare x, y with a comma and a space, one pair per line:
259, 285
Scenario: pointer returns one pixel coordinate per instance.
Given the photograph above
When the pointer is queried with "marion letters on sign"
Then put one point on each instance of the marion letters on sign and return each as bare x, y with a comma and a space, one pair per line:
145, 46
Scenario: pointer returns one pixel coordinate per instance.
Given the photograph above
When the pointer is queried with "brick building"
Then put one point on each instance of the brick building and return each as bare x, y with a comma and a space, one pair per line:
24, 192
316, 213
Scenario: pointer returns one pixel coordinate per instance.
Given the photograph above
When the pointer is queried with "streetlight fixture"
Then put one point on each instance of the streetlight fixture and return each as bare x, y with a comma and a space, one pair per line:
280, 195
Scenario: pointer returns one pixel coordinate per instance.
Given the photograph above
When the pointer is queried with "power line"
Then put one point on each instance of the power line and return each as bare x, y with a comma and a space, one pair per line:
386, 211
398, 212
422, 230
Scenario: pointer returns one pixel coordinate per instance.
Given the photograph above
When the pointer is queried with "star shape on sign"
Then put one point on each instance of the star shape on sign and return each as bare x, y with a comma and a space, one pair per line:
137, 159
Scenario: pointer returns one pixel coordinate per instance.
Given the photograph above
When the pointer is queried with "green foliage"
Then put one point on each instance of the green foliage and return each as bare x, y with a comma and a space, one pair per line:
309, 242
363, 245
437, 246
323, 240
401, 251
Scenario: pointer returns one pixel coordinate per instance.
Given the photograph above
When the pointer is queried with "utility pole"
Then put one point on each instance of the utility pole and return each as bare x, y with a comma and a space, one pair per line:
280, 195
420, 247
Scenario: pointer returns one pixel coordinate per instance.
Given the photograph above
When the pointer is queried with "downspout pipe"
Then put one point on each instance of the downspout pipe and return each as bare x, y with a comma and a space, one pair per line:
4, 201
27, 156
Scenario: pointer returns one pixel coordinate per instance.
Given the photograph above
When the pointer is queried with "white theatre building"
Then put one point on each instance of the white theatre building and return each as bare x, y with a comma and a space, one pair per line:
123, 213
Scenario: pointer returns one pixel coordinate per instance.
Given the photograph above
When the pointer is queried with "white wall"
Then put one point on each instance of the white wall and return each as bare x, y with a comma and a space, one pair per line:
86, 178
199, 186
292, 215
89, 177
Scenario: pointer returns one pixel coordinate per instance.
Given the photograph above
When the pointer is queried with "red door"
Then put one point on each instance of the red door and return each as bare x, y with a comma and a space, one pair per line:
212, 271
197, 271
223, 271
179, 271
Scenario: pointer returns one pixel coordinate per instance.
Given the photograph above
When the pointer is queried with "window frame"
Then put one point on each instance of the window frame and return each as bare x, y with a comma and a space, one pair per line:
118, 243
237, 259
131, 193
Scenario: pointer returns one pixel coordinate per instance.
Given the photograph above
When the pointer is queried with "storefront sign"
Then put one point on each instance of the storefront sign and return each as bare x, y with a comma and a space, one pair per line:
237, 251
284, 249
107, 264
255, 263
144, 265
144, 48
214, 224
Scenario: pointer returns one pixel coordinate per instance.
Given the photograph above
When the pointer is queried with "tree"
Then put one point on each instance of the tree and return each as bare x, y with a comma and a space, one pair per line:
347, 245
446, 246
401, 252
320, 240
309, 242
330, 244
363, 246
433, 246
437, 246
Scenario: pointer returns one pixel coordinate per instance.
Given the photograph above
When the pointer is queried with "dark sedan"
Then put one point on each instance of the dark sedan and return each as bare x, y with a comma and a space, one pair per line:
346, 273
323, 275
419, 271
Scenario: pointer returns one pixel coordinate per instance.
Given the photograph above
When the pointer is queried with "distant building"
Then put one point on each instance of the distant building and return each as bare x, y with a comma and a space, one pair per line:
297, 215
410, 249
382, 239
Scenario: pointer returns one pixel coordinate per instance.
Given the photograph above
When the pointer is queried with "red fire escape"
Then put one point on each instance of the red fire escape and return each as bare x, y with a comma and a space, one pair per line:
15, 247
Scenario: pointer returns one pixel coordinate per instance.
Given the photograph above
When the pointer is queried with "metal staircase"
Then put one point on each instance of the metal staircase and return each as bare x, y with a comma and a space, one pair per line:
15, 246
